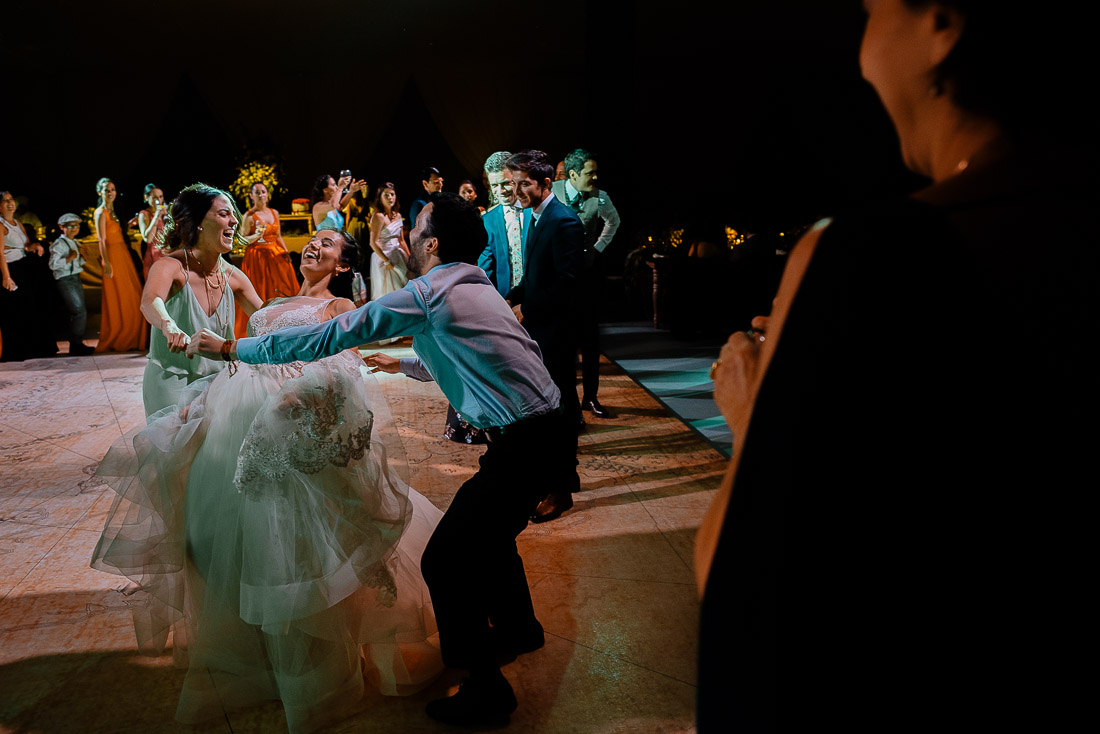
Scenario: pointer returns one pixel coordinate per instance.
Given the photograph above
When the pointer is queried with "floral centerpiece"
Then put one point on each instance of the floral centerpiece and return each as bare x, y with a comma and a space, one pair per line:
254, 172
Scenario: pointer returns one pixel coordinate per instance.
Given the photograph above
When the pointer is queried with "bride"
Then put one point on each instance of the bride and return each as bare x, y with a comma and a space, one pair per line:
265, 520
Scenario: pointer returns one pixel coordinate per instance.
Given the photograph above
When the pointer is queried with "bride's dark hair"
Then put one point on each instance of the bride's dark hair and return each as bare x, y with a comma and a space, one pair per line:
351, 254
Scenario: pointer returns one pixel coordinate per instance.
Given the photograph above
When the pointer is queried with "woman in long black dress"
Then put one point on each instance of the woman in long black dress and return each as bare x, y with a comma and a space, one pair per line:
899, 542
26, 291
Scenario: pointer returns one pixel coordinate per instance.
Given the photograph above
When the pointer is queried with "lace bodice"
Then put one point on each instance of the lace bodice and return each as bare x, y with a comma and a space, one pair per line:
319, 416
283, 312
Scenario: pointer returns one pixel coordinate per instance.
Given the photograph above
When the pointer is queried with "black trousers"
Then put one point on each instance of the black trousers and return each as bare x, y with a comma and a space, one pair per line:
558, 344
588, 327
471, 565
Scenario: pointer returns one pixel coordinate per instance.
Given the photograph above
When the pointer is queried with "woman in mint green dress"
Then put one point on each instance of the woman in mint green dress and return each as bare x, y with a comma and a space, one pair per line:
191, 288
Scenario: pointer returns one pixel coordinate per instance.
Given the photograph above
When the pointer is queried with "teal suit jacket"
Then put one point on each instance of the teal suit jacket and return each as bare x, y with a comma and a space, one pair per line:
495, 260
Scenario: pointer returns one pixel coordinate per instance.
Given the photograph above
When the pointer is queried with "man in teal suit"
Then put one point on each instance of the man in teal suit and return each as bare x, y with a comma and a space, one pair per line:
507, 227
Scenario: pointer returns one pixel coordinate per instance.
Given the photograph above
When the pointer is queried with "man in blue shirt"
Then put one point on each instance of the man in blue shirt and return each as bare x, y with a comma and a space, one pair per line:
468, 340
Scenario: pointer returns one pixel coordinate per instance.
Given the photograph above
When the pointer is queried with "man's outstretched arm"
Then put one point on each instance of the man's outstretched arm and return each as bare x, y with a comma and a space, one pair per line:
408, 366
400, 313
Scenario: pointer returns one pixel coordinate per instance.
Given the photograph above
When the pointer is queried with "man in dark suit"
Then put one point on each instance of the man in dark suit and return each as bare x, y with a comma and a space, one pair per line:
578, 191
502, 260
546, 299
432, 181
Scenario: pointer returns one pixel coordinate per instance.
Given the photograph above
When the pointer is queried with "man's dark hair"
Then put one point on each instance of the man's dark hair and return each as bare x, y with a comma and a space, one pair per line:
575, 161
426, 174
456, 223
534, 163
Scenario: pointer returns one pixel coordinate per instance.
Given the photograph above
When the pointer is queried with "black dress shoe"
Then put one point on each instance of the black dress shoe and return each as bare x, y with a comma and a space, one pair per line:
479, 702
595, 408
552, 507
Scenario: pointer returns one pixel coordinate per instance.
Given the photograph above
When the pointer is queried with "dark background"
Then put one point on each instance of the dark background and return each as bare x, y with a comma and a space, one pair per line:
752, 115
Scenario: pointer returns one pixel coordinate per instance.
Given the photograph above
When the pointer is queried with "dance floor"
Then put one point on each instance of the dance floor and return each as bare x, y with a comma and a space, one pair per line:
675, 371
611, 580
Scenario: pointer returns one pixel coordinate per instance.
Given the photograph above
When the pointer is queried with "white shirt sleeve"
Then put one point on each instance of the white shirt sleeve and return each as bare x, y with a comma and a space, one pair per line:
610, 216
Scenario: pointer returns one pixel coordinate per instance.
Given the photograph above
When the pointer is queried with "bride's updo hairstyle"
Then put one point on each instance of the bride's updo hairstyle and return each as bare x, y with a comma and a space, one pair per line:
351, 254
187, 213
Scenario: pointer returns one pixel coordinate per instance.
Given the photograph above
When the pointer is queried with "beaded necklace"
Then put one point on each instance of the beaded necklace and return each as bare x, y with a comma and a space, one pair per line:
211, 288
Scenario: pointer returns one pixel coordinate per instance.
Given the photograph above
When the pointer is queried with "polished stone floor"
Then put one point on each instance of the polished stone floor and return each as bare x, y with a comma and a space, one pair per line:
611, 580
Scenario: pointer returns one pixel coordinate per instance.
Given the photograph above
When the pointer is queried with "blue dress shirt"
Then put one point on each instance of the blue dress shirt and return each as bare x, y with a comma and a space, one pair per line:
465, 336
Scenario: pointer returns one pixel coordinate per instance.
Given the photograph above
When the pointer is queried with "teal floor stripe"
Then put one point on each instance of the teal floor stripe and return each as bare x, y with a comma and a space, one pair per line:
674, 372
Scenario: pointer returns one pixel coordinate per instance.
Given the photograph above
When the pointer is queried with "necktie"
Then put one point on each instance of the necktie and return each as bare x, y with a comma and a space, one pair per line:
515, 243
577, 203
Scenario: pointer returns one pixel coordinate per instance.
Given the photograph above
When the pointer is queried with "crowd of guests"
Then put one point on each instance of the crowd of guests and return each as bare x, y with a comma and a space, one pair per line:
900, 539
502, 299
374, 216
252, 477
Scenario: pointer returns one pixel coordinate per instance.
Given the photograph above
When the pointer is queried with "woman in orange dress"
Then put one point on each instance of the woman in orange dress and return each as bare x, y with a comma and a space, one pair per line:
122, 327
267, 259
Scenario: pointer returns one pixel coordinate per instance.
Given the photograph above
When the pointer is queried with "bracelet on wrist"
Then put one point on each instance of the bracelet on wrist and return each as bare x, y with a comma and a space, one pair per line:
227, 346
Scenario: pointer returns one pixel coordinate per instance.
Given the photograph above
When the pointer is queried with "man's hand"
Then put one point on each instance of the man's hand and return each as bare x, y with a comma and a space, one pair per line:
205, 344
518, 311
384, 362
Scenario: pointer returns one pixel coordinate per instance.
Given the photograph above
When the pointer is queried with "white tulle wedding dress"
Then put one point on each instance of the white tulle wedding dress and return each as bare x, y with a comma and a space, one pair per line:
268, 528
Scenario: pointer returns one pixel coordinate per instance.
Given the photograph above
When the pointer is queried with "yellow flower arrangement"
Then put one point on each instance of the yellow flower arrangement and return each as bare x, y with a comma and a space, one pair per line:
733, 237
251, 173
676, 237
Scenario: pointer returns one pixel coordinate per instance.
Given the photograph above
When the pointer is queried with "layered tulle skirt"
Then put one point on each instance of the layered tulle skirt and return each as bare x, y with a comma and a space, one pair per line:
276, 542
